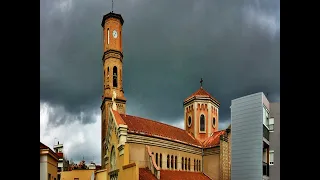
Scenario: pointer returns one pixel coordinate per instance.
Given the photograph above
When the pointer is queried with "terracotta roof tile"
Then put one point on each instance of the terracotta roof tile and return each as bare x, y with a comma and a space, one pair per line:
185, 175
201, 93
118, 117
149, 127
145, 174
213, 140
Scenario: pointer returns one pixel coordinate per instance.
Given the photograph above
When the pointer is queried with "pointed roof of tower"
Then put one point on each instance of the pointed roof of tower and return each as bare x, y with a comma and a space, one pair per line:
201, 93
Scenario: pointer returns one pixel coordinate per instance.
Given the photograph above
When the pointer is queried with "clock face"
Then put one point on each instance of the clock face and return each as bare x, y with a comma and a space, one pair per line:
115, 34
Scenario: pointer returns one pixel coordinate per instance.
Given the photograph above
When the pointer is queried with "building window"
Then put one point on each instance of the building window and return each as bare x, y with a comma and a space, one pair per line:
172, 161
271, 157
108, 34
76, 179
49, 176
189, 121
160, 160
175, 162
196, 165
115, 76
182, 163
189, 164
157, 159
199, 165
271, 124
168, 160
202, 123
185, 163
214, 121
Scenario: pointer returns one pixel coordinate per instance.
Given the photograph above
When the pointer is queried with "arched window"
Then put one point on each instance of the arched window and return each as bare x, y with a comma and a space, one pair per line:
172, 161
108, 36
157, 159
199, 165
189, 164
214, 121
182, 163
160, 160
115, 76
185, 164
202, 123
194, 165
189, 121
175, 162
168, 160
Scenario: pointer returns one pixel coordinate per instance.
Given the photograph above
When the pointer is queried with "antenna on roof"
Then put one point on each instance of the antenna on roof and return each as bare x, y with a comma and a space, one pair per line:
112, 6
201, 81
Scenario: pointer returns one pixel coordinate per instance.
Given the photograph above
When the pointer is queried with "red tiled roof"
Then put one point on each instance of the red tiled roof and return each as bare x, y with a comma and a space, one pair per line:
201, 93
42, 146
145, 174
213, 140
118, 117
149, 127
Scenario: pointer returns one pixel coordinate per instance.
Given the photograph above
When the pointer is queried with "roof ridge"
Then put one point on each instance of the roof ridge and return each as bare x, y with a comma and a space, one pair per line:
154, 121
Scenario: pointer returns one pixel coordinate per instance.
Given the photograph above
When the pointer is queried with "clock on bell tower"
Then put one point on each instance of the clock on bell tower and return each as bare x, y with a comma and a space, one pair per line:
112, 72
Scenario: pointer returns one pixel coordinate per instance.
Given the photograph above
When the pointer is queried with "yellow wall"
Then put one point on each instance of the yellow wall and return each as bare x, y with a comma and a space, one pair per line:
101, 174
52, 167
125, 172
84, 174
211, 165
138, 154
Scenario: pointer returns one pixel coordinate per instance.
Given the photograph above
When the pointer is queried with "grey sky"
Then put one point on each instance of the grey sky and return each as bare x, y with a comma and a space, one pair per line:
168, 46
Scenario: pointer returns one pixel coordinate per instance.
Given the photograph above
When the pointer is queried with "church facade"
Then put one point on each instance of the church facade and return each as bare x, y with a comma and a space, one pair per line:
138, 148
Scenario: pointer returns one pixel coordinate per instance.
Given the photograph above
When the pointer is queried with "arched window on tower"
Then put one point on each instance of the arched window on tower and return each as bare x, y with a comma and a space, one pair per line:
160, 160
194, 165
157, 159
168, 160
108, 34
199, 165
189, 164
202, 123
115, 76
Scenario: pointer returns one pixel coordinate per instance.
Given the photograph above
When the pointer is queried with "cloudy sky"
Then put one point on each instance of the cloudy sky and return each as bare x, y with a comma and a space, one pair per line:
168, 46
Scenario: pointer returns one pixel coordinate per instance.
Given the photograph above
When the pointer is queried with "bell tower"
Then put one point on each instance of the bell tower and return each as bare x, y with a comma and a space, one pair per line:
201, 114
112, 60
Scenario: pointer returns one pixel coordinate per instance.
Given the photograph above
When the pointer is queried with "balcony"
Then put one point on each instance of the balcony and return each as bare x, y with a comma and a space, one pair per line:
265, 132
265, 167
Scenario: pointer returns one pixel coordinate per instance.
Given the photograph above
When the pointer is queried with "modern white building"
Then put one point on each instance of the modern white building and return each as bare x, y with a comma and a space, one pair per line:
62, 161
250, 121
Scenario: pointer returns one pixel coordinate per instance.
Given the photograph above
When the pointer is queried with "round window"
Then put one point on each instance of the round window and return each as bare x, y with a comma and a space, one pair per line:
189, 121
213, 121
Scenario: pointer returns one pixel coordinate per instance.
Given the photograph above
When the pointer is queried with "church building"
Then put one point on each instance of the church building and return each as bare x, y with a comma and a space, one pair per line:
136, 148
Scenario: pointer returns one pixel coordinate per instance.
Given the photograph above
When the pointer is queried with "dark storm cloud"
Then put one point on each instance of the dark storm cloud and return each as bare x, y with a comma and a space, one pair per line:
168, 46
